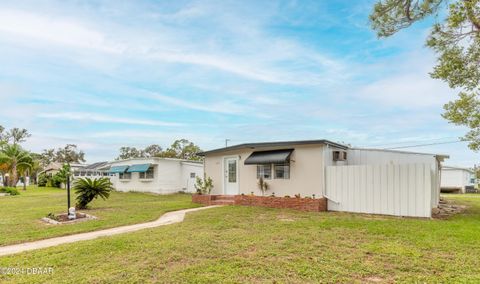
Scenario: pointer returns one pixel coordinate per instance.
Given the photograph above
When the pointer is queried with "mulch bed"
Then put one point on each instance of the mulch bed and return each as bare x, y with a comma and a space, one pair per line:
63, 218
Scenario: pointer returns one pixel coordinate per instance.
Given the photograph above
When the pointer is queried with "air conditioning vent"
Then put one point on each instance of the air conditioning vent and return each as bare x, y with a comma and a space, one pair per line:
339, 155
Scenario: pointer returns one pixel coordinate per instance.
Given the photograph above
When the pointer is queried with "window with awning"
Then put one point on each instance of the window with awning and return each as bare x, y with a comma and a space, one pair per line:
269, 157
117, 169
140, 168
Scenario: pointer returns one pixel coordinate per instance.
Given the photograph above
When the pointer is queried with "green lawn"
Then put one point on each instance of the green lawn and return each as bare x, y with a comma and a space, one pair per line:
20, 215
247, 244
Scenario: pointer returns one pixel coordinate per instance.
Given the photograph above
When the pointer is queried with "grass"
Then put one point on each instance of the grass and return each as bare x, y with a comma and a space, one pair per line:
20, 215
250, 244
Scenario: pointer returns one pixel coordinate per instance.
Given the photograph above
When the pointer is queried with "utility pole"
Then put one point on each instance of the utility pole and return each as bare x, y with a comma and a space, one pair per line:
226, 142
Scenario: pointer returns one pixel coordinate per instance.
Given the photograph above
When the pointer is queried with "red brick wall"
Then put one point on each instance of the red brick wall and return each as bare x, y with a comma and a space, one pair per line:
303, 204
205, 199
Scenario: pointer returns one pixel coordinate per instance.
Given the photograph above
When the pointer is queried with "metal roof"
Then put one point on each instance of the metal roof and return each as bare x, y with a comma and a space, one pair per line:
445, 167
269, 157
401, 152
95, 166
273, 144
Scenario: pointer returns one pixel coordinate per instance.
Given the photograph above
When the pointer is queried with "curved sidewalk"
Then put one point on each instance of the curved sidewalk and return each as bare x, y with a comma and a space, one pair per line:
166, 219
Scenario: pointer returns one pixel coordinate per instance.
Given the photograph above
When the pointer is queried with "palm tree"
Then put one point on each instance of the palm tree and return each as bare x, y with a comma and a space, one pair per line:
88, 189
14, 158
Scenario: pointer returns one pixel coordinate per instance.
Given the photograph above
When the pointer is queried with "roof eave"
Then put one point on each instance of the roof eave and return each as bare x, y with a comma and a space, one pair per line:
272, 144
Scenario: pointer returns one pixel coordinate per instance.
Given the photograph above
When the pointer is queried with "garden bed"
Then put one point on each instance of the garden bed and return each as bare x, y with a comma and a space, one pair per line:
302, 204
63, 218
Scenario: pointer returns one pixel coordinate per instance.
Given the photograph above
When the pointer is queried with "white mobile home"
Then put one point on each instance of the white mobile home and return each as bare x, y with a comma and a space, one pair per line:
351, 179
457, 179
156, 175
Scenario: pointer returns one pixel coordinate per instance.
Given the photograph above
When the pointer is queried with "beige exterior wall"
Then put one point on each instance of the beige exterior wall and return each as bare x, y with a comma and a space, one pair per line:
306, 172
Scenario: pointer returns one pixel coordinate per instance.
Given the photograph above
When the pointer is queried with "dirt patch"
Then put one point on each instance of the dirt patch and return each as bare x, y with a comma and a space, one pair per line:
446, 209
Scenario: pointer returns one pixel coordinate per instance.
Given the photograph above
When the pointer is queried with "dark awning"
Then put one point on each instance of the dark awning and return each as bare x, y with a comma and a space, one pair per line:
117, 169
269, 157
141, 168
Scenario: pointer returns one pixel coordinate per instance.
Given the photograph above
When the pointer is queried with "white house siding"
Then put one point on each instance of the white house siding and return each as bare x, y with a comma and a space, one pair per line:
188, 181
169, 176
357, 156
456, 178
387, 189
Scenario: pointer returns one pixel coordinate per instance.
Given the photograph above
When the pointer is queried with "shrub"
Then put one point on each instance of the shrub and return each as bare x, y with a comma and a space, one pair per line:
88, 189
42, 180
203, 186
9, 190
263, 185
56, 180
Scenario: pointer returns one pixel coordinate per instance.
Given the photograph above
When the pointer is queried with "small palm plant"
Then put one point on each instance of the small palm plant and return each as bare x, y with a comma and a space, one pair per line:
263, 185
88, 189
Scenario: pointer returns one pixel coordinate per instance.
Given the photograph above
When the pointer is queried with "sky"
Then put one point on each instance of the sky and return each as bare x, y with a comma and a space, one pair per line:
108, 74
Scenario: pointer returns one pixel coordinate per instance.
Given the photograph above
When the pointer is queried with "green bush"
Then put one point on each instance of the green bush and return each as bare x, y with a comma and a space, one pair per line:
56, 180
203, 186
9, 190
42, 180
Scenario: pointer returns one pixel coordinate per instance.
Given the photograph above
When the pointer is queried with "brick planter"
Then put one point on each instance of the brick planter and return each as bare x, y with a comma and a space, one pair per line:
303, 204
204, 199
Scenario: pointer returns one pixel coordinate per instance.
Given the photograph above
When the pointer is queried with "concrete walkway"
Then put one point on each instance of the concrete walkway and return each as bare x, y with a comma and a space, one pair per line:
166, 219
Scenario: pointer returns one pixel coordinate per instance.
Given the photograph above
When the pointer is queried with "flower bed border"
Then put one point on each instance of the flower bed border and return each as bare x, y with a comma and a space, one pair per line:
55, 222
302, 204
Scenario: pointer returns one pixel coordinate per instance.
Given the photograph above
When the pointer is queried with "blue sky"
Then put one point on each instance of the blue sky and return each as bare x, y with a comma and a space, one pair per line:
118, 73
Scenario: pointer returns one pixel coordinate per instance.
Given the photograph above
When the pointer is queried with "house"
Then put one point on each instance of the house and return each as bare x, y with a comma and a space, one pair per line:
95, 170
348, 179
457, 179
54, 167
157, 175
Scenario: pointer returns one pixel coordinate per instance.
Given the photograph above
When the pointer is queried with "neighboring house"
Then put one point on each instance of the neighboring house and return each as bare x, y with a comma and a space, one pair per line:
457, 179
355, 180
157, 175
95, 170
55, 167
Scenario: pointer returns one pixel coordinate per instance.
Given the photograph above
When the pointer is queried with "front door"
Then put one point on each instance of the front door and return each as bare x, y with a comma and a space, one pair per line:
230, 169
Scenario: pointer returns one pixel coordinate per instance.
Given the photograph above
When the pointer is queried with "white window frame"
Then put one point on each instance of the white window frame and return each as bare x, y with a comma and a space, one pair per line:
261, 173
125, 176
147, 175
285, 176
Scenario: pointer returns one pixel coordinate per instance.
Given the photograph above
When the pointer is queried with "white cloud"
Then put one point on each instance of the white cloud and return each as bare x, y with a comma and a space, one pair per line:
265, 58
53, 29
82, 116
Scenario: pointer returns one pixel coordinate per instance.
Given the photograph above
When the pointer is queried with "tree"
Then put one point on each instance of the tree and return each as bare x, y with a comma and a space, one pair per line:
88, 189
3, 138
182, 149
15, 159
47, 157
129, 153
17, 135
69, 154
153, 150
455, 40
64, 173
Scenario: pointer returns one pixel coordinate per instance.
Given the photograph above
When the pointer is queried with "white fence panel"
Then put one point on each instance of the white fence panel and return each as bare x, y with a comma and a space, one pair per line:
400, 190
